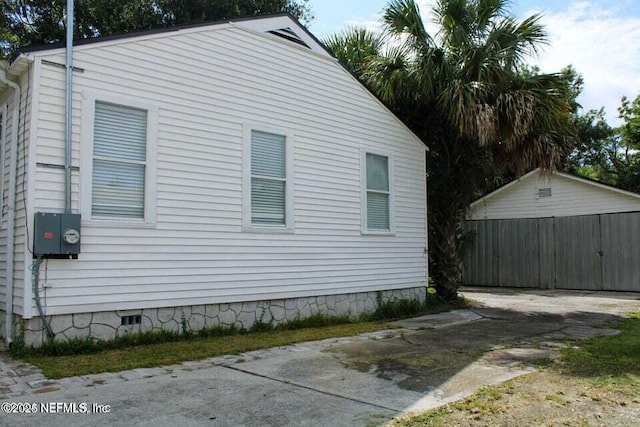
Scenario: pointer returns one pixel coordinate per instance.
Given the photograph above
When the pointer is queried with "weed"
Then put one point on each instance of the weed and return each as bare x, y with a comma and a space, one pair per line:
557, 399
401, 308
91, 346
315, 321
396, 308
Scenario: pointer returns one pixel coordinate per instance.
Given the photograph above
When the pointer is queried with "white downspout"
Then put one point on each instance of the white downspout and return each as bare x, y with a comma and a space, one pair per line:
11, 204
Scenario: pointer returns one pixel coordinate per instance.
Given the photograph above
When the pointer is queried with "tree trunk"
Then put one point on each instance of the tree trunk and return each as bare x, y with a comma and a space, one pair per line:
445, 256
454, 180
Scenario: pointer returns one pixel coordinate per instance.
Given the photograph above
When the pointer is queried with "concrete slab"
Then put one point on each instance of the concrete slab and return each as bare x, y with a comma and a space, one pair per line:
440, 320
355, 381
325, 373
211, 397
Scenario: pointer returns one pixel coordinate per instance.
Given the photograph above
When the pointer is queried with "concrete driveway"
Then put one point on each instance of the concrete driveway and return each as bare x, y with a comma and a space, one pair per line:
356, 381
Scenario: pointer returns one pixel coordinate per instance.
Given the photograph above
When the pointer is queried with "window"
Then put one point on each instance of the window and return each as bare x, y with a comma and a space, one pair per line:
119, 162
377, 192
267, 180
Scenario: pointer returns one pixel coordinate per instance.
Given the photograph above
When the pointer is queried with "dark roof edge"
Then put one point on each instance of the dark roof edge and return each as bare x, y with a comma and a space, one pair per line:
174, 28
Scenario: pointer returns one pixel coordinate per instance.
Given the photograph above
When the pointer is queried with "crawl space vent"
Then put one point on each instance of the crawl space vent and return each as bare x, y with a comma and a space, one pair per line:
544, 192
131, 320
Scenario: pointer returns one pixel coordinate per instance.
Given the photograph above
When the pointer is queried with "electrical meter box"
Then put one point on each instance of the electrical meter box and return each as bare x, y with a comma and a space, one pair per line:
56, 235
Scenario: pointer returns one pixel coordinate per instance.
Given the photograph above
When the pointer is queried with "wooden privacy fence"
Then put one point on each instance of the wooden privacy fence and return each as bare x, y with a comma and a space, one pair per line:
591, 252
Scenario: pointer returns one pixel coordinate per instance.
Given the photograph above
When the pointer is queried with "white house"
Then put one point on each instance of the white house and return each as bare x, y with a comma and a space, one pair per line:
224, 173
558, 195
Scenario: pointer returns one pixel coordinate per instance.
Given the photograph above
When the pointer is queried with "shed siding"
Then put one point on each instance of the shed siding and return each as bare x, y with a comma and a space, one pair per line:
569, 197
206, 85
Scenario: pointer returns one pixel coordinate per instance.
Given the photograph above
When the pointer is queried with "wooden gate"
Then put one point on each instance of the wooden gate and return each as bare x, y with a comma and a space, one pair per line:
592, 252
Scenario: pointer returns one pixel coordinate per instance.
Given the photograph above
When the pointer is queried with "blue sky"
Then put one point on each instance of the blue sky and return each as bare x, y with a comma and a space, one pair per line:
600, 38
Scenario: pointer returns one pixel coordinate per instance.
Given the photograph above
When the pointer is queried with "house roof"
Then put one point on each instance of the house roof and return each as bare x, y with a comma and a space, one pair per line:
282, 32
260, 23
573, 177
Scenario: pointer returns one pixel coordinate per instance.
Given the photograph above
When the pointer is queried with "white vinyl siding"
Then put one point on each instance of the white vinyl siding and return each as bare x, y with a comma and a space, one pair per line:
210, 89
268, 179
119, 161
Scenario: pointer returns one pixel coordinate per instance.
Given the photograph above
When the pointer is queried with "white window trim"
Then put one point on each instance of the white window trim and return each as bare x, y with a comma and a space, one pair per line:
363, 193
86, 170
3, 151
289, 226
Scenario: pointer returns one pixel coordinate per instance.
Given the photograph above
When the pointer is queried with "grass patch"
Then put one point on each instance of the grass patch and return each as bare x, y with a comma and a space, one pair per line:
168, 353
483, 402
612, 361
430, 418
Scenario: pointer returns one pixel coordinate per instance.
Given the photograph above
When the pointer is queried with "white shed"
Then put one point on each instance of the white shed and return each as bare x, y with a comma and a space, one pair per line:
557, 231
224, 173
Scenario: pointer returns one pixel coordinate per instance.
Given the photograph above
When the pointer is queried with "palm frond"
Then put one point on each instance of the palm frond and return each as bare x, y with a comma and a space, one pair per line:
354, 46
402, 18
389, 75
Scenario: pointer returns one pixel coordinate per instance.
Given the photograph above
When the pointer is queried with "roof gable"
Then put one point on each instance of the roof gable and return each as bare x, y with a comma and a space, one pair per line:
560, 194
282, 28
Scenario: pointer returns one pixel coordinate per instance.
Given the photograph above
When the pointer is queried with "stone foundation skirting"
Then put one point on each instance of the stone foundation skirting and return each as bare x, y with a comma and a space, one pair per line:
108, 325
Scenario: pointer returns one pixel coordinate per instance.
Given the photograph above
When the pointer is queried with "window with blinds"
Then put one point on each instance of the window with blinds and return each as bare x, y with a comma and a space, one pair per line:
268, 179
378, 217
119, 161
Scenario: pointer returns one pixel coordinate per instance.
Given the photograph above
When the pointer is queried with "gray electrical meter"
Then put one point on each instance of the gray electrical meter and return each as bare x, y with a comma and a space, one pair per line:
56, 235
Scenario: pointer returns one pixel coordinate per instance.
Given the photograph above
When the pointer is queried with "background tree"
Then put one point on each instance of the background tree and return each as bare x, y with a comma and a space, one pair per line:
628, 166
465, 91
605, 153
43, 21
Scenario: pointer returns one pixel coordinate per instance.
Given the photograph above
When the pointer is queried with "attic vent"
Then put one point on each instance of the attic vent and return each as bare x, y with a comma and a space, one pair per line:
544, 192
288, 34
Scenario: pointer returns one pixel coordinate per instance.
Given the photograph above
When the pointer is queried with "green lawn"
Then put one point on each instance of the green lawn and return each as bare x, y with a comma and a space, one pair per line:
613, 362
168, 353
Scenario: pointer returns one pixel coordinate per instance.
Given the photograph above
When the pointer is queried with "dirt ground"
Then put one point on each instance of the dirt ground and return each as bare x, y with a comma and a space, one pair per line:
543, 398
547, 397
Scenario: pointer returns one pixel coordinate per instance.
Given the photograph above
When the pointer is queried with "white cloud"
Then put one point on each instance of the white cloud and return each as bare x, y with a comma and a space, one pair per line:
603, 45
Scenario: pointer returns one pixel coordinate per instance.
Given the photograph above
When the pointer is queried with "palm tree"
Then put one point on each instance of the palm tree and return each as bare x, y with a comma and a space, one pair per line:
467, 91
